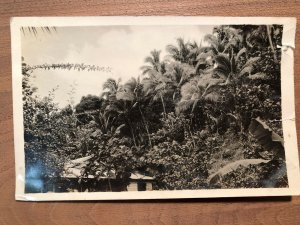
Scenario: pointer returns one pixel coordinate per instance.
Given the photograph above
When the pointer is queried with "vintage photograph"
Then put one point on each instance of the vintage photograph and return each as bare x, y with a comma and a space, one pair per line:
152, 108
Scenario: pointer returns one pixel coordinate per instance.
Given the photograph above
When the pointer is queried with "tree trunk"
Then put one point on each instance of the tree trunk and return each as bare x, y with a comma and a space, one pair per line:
146, 126
109, 184
270, 42
194, 105
163, 104
132, 133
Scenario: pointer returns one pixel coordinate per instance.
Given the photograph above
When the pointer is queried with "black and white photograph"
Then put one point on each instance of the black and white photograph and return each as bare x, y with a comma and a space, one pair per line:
137, 108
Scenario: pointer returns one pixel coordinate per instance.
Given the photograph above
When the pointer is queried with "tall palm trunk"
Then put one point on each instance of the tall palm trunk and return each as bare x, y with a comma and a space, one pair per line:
109, 184
146, 126
270, 42
132, 133
163, 104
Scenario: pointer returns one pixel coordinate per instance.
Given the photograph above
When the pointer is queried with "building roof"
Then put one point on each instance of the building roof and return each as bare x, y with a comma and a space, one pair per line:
74, 169
139, 176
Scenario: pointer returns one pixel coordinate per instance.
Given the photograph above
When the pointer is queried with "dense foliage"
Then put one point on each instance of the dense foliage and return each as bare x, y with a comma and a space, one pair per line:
182, 121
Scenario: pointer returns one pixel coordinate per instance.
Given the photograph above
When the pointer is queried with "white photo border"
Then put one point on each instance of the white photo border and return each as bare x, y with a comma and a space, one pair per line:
288, 105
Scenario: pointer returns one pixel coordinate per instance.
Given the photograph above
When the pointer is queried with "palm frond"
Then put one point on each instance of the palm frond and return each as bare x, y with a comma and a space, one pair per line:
148, 85
36, 30
146, 69
212, 97
258, 76
149, 60
179, 72
204, 55
223, 64
231, 167
249, 65
156, 55
172, 50
179, 52
184, 105
132, 84
238, 55
266, 136
189, 89
125, 95
110, 84
251, 61
154, 62
211, 39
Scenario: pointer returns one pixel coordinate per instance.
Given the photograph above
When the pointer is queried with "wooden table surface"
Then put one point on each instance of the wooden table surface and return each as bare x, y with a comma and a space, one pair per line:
284, 210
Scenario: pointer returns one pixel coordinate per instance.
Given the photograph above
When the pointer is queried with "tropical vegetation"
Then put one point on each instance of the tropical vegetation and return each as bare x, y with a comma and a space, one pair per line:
206, 116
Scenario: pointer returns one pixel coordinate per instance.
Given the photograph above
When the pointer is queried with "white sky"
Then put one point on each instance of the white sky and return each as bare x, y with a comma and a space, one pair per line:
123, 48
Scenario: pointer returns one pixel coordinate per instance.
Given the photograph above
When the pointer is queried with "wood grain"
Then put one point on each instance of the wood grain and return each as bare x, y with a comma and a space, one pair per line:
198, 211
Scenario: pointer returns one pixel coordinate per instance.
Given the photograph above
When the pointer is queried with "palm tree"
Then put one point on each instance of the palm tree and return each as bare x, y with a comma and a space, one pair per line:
110, 88
181, 52
132, 91
227, 70
157, 86
223, 39
263, 34
215, 44
154, 64
155, 83
121, 110
191, 93
231, 67
179, 73
204, 59
194, 51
